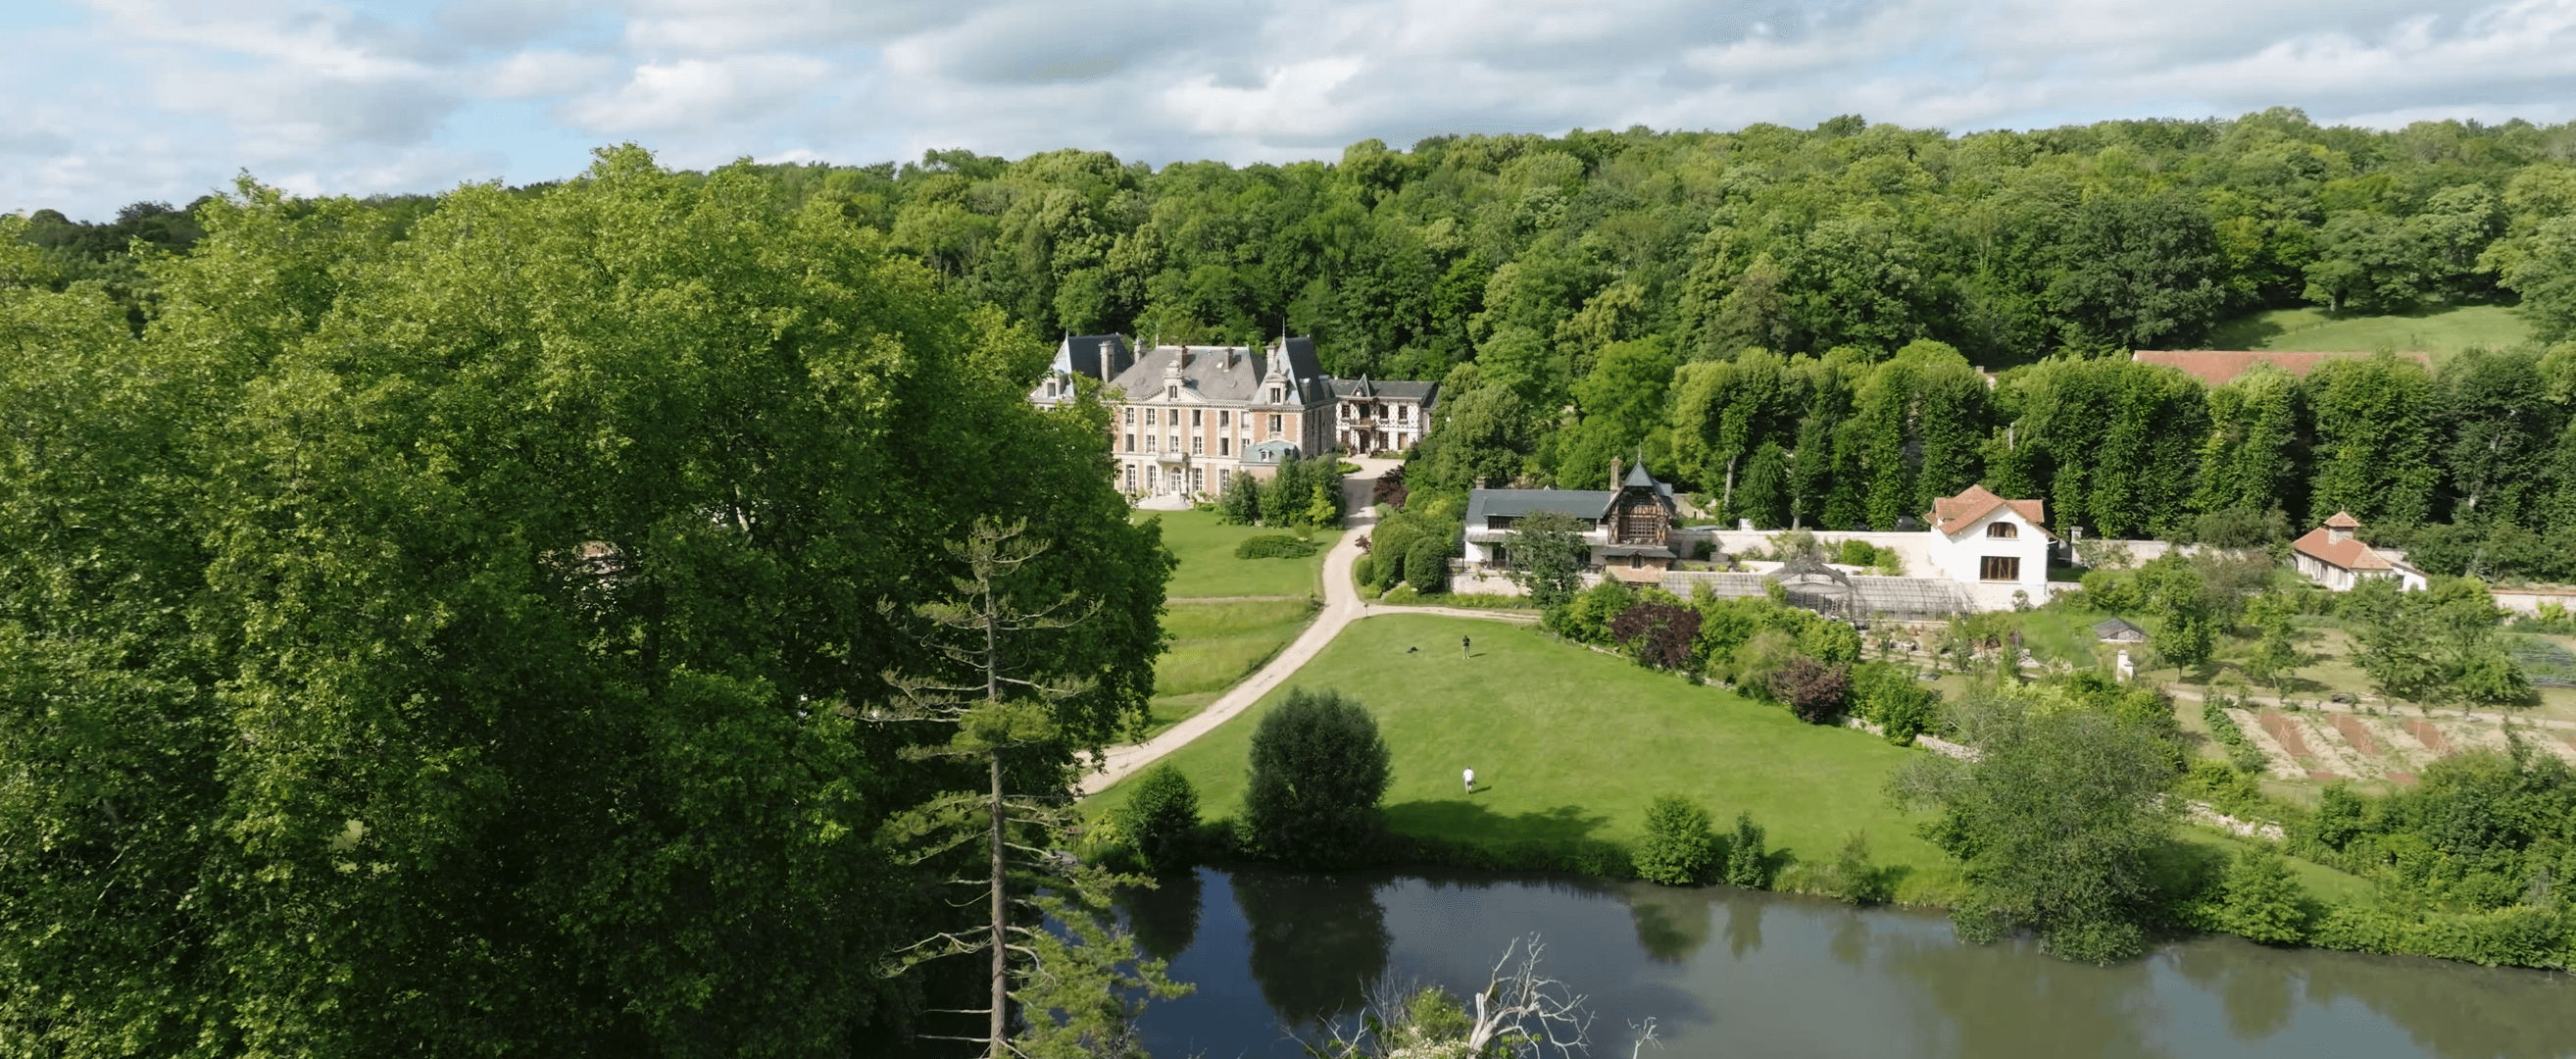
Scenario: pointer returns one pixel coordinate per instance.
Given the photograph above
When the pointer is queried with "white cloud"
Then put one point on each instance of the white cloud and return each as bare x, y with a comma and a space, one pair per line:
168, 98
688, 95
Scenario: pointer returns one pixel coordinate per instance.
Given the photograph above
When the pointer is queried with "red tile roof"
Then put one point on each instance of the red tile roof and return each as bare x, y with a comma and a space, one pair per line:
2343, 520
1950, 514
2349, 553
2218, 367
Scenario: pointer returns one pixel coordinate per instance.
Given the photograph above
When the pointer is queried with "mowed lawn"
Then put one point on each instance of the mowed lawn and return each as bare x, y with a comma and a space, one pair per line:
2443, 331
1205, 549
1569, 743
1214, 645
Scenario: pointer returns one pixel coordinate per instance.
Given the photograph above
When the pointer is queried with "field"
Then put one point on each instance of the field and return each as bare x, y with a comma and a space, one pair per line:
1208, 567
1571, 744
1215, 645
1226, 616
2441, 331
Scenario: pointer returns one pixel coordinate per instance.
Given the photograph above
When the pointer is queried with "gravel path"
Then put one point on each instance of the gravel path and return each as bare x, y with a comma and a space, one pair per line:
1342, 606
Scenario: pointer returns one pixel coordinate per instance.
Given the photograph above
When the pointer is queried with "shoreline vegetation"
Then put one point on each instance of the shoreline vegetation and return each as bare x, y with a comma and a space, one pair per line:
1559, 789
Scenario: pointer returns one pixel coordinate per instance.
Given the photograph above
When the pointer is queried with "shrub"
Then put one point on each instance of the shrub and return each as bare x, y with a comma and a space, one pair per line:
1659, 633
1816, 692
1587, 618
1364, 570
1857, 552
1390, 489
1239, 503
2261, 902
1426, 566
1747, 864
1400, 595
1161, 820
1853, 877
1319, 768
1888, 695
1274, 546
1680, 848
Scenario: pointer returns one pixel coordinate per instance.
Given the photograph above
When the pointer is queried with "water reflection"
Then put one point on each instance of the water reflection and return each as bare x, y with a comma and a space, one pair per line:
1743, 922
1807, 977
2256, 990
2008, 999
1671, 924
1316, 940
1165, 919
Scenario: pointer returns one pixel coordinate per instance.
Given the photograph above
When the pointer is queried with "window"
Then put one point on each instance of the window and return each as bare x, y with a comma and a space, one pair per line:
1224, 418
1224, 446
1274, 426
1500, 522
1131, 441
1149, 417
1149, 442
2002, 530
1198, 444
1274, 395
1224, 478
1172, 392
1404, 413
1999, 568
1197, 418
1131, 415
1131, 478
1051, 384
1637, 562
1198, 480
1350, 411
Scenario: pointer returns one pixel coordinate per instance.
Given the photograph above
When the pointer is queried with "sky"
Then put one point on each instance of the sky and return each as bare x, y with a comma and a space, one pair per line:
118, 101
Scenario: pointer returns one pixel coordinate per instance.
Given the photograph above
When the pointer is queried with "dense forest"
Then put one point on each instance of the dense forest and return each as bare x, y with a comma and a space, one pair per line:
475, 624
1793, 322
490, 629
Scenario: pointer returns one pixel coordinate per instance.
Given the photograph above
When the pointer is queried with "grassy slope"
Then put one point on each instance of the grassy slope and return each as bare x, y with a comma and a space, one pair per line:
2446, 330
1208, 566
1216, 644
1568, 743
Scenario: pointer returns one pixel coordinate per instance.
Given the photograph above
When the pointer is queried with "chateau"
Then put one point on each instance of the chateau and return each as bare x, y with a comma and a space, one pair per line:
1186, 419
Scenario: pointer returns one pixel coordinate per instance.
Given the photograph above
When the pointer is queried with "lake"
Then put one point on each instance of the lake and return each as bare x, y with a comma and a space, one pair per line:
1739, 973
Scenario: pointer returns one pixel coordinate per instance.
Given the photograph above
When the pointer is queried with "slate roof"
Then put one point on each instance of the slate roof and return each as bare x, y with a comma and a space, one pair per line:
2116, 629
1950, 514
2218, 367
1087, 354
2349, 553
1591, 504
1514, 503
1393, 390
1213, 375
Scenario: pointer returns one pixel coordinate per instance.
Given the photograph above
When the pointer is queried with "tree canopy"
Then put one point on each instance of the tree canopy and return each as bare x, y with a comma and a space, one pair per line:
461, 632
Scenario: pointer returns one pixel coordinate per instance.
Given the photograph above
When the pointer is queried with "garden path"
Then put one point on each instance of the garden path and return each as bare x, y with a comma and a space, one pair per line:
1342, 606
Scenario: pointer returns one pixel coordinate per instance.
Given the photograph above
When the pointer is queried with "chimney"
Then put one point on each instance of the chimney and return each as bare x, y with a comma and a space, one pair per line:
1614, 474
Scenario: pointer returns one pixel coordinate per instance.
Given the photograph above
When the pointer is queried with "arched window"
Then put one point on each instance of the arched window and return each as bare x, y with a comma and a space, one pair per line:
2002, 529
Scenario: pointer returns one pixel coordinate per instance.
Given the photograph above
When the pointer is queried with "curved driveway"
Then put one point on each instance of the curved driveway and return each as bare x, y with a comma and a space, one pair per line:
1342, 606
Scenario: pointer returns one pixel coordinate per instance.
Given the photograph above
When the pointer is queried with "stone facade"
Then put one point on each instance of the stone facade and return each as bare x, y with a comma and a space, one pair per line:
1372, 417
1185, 420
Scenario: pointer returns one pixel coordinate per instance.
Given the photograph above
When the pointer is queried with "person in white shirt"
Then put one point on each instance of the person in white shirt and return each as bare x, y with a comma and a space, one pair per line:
1471, 781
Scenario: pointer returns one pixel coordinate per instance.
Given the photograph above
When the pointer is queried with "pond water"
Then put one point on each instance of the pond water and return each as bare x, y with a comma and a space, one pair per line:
1735, 973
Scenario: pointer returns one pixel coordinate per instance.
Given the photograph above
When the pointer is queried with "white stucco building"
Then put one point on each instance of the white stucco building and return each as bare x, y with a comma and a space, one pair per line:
2332, 556
1977, 537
